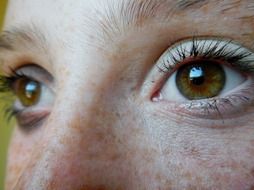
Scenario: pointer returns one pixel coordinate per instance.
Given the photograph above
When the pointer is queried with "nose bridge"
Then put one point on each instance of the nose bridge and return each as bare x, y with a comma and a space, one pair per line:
63, 146
77, 134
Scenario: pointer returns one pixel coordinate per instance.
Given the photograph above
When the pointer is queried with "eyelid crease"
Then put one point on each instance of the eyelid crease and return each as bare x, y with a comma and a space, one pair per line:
34, 72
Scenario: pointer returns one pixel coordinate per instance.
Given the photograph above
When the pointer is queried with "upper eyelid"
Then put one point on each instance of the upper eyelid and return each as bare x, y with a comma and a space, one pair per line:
166, 67
217, 48
24, 45
37, 73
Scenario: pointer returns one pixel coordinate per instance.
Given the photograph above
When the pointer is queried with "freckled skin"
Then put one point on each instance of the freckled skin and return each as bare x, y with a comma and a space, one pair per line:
102, 132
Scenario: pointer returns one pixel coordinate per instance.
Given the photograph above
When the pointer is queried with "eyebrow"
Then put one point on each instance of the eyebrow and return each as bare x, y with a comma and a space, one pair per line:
25, 37
133, 12
186, 4
118, 17
137, 12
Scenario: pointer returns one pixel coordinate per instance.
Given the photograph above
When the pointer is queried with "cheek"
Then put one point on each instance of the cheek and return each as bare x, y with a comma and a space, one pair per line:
137, 150
201, 157
135, 147
19, 156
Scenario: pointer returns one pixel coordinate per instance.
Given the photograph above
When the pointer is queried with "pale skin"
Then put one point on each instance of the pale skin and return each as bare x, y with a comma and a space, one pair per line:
101, 130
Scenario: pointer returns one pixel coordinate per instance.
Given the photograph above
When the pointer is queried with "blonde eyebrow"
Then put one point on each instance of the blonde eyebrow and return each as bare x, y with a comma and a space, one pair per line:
137, 12
148, 9
16, 38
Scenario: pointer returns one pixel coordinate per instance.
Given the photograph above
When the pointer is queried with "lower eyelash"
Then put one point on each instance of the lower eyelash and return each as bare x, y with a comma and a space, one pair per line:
10, 112
218, 107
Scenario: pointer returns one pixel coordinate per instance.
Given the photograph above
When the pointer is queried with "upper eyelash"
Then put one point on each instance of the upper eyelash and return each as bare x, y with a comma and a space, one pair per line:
6, 82
5, 90
6, 85
235, 57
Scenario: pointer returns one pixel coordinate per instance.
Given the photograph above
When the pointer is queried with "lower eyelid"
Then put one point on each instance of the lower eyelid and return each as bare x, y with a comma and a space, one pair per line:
218, 123
191, 118
28, 120
237, 103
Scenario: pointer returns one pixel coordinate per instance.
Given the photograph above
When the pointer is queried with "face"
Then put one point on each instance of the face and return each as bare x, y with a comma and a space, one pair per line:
134, 94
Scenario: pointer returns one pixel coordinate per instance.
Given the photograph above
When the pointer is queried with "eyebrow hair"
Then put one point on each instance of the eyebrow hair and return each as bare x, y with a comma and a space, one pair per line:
118, 17
185, 4
137, 12
123, 15
25, 37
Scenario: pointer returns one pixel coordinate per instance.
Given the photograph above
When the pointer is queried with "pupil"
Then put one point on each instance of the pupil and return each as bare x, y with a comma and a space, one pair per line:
197, 76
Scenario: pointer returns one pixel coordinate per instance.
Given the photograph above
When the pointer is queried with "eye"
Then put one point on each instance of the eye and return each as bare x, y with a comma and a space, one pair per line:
33, 95
206, 77
201, 79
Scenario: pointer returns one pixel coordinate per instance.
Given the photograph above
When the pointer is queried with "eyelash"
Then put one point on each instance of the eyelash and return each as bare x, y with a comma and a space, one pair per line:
234, 57
6, 84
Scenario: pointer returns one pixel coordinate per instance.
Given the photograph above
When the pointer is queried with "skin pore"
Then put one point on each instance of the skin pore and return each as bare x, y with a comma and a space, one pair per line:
100, 129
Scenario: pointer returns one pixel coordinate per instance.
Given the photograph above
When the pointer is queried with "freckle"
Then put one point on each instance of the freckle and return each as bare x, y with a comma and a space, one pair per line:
195, 152
114, 157
188, 175
169, 184
121, 78
252, 172
146, 173
118, 115
158, 177
167, 151
252, 142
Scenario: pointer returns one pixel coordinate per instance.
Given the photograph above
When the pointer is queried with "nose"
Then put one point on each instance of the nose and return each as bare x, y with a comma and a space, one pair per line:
78, 147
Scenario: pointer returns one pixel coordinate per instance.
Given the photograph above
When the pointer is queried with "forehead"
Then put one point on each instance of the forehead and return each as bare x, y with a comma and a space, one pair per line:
81, 24
130, 12
116, 16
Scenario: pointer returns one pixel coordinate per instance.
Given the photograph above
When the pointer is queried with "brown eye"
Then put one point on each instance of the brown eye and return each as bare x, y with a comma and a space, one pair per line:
28, 91
200, 79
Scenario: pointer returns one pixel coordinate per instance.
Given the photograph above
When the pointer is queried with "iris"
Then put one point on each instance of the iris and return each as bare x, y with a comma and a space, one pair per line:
28, 91
200, 79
